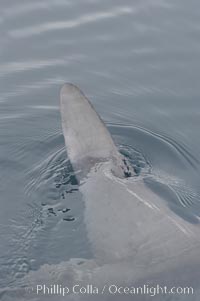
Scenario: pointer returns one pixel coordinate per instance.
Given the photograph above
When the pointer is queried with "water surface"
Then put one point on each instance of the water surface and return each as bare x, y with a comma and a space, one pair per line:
139, 63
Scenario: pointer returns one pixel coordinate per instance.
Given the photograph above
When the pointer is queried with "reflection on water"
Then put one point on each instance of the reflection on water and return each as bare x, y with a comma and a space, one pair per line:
60, 25
138, 62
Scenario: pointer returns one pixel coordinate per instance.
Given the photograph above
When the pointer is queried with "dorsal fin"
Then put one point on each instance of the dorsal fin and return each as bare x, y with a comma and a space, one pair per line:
86, 137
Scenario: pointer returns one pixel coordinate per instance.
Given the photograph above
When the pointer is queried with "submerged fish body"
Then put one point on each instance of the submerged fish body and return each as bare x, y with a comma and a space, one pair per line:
126, 219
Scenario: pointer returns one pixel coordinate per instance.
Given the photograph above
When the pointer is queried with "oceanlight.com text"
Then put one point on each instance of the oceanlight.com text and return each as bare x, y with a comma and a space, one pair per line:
112, 289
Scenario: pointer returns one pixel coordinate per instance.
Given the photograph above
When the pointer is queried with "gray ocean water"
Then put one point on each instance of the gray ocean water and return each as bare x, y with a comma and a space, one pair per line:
138, 61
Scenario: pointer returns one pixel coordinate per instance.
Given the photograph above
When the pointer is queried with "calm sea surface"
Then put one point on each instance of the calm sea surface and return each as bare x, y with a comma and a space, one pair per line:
139, 63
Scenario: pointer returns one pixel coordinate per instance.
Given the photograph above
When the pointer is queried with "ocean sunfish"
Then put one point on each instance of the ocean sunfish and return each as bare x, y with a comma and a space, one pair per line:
135, 237
130, 228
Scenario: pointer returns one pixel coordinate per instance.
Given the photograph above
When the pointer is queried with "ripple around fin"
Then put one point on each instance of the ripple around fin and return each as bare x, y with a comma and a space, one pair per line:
45, 170
181, 198
180, 148
60, 25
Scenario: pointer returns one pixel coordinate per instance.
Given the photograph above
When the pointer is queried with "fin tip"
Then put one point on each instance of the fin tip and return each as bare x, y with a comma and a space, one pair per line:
68, 88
